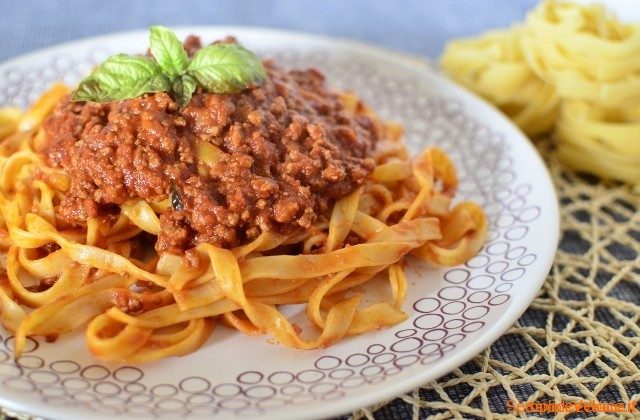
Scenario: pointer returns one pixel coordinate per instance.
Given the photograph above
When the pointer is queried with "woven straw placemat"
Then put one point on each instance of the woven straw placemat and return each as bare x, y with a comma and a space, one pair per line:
580, 338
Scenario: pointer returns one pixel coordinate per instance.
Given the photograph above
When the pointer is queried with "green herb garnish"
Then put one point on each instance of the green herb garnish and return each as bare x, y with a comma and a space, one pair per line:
218, 68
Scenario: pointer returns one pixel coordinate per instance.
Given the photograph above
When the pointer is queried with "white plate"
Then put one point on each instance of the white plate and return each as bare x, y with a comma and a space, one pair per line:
454, 313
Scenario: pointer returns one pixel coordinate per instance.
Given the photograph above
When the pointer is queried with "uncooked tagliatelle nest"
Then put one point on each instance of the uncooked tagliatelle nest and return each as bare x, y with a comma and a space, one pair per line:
493, 66
582, 69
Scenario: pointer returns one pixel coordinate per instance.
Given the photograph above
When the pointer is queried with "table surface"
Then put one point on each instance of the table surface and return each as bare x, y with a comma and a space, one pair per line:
415, 26
580, 338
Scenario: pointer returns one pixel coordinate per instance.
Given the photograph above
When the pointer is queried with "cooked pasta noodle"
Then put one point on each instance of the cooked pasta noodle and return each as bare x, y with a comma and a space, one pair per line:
404, 208
493, 66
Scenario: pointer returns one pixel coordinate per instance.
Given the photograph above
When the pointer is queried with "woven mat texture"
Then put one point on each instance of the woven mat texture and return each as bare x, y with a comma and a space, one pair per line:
579, 339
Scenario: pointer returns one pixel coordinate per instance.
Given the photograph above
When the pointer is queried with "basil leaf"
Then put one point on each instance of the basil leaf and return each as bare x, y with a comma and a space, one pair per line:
168, 51
226, 68
122, 77
219, 68
183, 89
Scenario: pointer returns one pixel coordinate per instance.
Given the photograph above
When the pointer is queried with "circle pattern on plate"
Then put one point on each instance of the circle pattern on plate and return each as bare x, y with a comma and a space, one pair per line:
438, 325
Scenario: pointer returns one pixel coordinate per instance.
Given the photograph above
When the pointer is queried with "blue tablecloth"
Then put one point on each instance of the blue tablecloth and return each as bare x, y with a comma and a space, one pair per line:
419, 27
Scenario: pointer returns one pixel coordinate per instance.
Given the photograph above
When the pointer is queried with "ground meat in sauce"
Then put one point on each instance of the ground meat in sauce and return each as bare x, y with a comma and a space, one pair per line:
290, 150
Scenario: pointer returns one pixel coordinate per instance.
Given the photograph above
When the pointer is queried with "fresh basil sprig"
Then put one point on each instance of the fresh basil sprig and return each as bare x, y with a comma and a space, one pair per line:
218, 68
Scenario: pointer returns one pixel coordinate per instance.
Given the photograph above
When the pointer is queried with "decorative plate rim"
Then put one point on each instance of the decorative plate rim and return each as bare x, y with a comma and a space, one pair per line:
513, 136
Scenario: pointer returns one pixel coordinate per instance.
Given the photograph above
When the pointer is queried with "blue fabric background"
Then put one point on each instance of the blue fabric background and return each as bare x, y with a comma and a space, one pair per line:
419, 27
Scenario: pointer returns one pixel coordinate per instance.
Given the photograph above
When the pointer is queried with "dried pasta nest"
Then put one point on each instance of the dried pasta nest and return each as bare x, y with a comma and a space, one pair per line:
494, 67
603, 141
585, 52
570, 67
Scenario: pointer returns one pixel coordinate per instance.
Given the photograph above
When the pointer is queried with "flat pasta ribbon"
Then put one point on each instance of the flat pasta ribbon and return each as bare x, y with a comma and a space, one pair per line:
585, 52
493, 65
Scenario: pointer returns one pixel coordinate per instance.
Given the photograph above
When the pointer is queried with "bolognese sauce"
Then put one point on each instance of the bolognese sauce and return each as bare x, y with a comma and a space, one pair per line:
284, 152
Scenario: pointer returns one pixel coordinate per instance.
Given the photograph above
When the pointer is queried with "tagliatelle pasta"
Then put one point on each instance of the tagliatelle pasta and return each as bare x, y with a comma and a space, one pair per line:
585, 52
571, 67
72, 276
599, 140
493, 66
